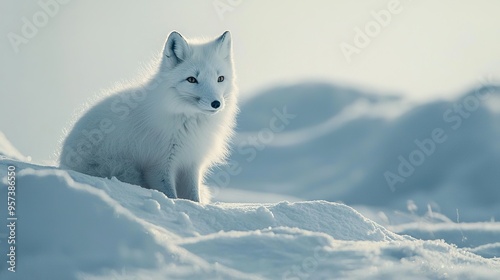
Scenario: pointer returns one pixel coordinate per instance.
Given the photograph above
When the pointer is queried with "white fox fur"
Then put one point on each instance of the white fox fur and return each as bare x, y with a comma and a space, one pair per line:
164, 134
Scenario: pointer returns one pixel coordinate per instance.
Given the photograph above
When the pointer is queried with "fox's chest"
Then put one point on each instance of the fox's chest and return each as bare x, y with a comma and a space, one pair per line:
186, 140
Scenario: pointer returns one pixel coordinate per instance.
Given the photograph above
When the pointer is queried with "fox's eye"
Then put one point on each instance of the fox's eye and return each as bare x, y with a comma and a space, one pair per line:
192, 80
220, 79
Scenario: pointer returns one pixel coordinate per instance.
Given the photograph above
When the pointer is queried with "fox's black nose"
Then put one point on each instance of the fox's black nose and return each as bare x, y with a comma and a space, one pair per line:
215, 104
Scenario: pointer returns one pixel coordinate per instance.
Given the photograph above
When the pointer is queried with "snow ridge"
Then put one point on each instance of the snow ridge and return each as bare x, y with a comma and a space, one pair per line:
74, 226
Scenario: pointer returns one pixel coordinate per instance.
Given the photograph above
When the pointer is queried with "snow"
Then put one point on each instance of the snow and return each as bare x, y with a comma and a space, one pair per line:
342, 141
267, 221
8, 150
74, 226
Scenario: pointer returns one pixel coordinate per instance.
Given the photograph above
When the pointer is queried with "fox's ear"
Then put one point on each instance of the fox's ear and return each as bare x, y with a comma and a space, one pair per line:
176, 48
224, 44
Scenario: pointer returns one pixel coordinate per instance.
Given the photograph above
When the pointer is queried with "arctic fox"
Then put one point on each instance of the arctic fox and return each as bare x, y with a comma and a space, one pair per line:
166, 133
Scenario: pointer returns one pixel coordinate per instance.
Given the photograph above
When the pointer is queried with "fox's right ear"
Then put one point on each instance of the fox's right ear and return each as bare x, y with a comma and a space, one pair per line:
224, 44
176, 48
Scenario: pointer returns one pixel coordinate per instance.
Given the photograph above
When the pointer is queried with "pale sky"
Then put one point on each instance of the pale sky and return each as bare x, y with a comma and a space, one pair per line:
427, 49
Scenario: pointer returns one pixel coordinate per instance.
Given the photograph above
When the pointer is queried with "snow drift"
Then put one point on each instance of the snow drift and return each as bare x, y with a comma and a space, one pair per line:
7, 150
341, 143
74, 226
332, 143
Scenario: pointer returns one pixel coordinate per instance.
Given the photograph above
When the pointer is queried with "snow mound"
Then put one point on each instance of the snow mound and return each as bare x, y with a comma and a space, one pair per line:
7, 150
74, 226
340, 144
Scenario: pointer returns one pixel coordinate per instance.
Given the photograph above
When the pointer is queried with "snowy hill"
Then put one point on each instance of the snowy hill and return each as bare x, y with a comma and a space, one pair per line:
7, 150
312, 142
341, 143
74, 226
